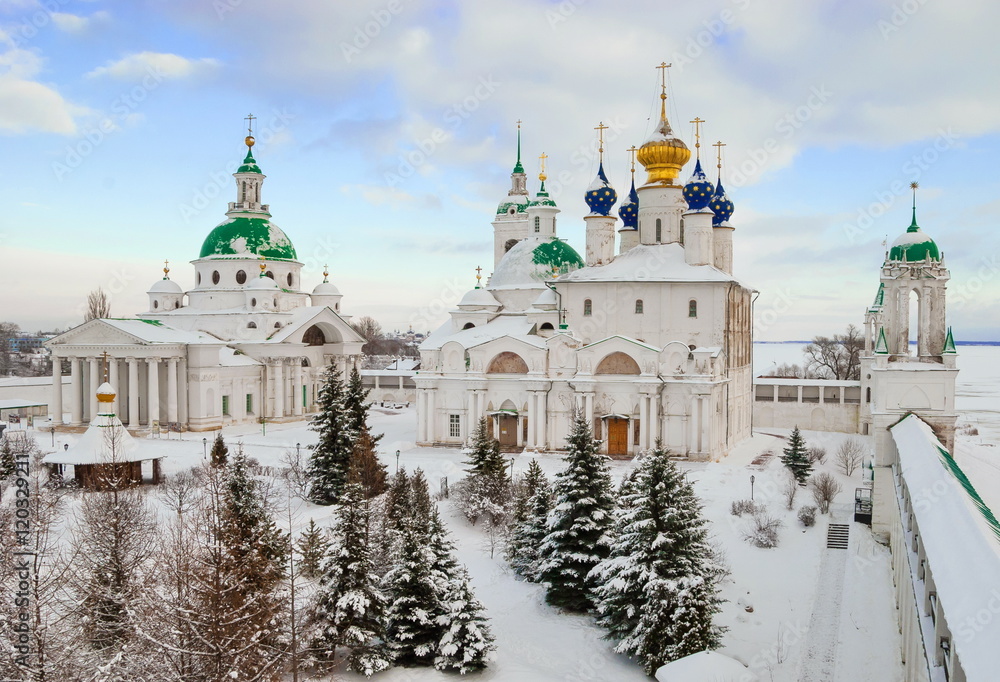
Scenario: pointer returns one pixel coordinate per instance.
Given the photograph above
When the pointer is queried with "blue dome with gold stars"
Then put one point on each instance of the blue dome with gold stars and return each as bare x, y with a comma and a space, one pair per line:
600, 196
699, 190
721, 205
629, 211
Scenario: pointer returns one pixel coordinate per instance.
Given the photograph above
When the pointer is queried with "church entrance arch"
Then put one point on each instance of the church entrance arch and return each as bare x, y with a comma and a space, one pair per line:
617, 436
508, 430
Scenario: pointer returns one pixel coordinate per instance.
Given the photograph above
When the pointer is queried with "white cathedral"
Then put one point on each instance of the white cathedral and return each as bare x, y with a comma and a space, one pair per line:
652, 339
245, 344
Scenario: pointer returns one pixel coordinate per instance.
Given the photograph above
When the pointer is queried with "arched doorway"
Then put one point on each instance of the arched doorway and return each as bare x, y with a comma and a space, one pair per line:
617, 427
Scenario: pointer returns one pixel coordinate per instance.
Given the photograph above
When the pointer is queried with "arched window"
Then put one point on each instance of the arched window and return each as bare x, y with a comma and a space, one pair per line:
588, 307
546, 326
509, 244
868, 394
251, 325
253, 302
215, 277
243, 191
314, 336
692, 308
617, 363
277, 325
197, 278
538, 224
289, 279
638, 306
156, 304
241, 277
507, 363
468, 325
269, 274
659, 230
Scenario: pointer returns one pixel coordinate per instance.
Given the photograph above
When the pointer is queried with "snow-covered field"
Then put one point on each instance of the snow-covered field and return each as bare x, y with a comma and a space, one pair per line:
796, 612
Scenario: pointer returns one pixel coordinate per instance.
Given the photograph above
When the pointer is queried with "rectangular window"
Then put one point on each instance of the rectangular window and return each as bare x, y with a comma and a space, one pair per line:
638, 306
225, 405
455, 425
692, 308
249, 403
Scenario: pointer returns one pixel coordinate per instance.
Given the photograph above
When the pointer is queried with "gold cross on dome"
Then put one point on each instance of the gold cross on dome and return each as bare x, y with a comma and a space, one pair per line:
542, 159
697, 135
250, 118
632, 150
166, 268
105, 355
600, 138
719, 145
479, 275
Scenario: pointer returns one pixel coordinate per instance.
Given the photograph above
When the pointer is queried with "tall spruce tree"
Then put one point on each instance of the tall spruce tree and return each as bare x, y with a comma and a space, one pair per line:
467, 641
414, 592
330, 460
312, 547
350, 606
533, 478
579, 522
220, 453
365, 467
356, 403
523, 550
657, 592
488, 489
484, 457
796, 457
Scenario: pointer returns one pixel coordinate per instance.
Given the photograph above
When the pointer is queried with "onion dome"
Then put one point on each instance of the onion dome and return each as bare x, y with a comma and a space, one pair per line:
249, 163
629, 211
542, 198
699, 190
513, 204
721, 205
914, 245
165, 285
600, 196
325, 288
663, 155
105, 393
478, 299
546, 300
531, 261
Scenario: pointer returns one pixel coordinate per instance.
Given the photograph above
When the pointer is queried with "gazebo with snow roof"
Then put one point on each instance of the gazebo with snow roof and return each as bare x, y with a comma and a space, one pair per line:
106, 454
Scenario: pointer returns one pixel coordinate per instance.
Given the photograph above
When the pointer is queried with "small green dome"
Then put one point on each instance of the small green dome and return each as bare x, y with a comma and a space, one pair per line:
514, 204
249, 164
252, 237
914, 245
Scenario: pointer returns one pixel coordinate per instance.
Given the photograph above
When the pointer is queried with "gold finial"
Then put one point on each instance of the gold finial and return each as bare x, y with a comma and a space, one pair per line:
249, 139
718, 154
518, 124
263, 266
632, 150
326, 273
166, 269
541, 175
697, 136
663, 89
600, 139
479, 275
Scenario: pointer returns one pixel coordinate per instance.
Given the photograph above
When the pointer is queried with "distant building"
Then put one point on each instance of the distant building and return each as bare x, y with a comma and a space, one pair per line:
245, 344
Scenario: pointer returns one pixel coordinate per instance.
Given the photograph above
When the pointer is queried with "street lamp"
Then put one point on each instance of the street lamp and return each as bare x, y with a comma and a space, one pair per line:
512, 470
397, 461
297, 446
752, 479
204, 447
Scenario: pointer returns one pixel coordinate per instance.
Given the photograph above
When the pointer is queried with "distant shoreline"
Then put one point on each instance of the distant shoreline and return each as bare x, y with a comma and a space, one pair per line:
957, 343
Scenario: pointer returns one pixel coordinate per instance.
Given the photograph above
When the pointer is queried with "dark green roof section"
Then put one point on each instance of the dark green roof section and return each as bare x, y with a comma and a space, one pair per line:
260, 237
949, 344
963, 480
913, 253
557, 255
880, 296
518, 168
519, 206
881, 347
249, 164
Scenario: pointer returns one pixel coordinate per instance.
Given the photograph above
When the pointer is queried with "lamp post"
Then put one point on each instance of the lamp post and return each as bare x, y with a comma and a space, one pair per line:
397, 461
297, 447
512, 470
752, 479
204, 447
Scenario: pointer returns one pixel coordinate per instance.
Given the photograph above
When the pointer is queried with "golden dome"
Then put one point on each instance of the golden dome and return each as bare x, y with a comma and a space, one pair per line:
663, 155
105, 393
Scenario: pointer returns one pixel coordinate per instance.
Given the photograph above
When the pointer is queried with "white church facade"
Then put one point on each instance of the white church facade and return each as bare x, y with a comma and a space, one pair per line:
651, 339
245, 344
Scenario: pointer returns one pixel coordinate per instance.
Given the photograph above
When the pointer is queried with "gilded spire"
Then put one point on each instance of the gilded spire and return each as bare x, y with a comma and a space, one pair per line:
718, 156
479, 275
250, 118
541, 174
166, 269
913, 223
518, 168
263, 267
697, 137
663, 93
663, 155
632, 150
326, 273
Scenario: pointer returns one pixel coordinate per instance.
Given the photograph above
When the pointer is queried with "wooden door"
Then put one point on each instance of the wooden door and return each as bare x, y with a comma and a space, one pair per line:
508, 431
617, 436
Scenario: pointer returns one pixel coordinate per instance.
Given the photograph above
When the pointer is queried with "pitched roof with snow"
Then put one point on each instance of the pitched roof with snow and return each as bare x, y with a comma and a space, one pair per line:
649, 263
513, 326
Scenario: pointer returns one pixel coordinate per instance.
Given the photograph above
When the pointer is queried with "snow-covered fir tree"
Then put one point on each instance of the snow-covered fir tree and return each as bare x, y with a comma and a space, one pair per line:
220, 453
657, 593
523, 550
484, 454
796, 457
312, 547
486, 491
349, 604
525, 491
330, 459
467, 642
580, 519
356, 403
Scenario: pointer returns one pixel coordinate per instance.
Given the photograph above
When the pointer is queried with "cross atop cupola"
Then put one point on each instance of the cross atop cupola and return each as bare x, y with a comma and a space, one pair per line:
248, 178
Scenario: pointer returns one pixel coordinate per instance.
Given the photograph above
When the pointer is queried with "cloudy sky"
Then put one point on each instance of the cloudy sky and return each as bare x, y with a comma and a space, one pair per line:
386, 130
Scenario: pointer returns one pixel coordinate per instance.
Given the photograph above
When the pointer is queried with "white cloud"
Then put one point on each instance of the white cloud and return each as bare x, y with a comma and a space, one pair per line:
74, 23
27, 105
161, 64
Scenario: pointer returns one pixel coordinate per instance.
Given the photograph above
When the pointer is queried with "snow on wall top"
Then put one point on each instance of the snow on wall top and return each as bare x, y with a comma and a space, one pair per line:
649, 263
962, 550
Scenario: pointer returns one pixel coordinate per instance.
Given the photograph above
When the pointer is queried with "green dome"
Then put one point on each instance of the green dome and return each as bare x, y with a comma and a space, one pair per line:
518, 202
249, 164
913, 245
250, 237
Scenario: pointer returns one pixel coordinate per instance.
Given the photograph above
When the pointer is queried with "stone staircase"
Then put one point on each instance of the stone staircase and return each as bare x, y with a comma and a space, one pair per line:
837, 535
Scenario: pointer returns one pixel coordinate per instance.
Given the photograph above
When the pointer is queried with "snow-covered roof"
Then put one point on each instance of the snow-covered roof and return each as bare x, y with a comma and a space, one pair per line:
16, 403
705, 666
514, 326
791, 381
228, 357
104, 441
309, 315
649, 263
147, 331
961, 542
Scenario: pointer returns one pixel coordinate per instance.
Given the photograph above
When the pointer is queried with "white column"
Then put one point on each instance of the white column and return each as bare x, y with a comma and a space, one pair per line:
655, 431
113, 380
693, 425
588, 409
431, 422
297, 389
57, 401
95, 382
532, 415
133, 393
172, 390
421, 417
76, 391
182, 388
153, 390
279, 389
643, 422
541, 421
